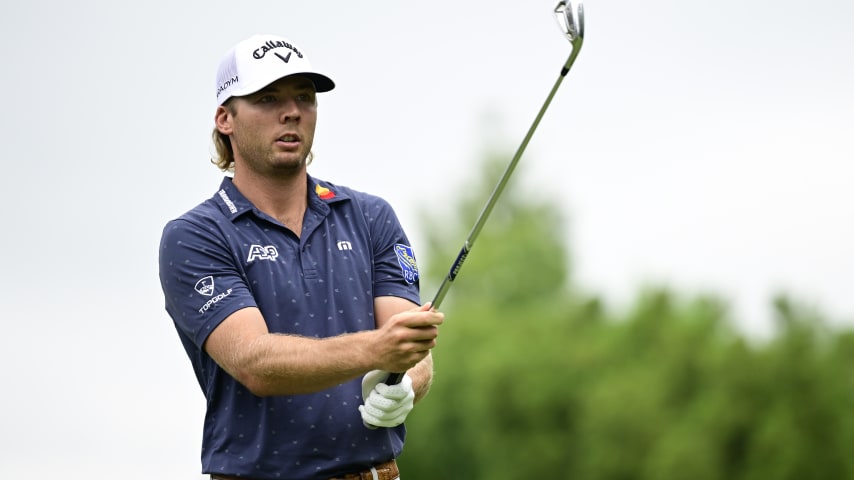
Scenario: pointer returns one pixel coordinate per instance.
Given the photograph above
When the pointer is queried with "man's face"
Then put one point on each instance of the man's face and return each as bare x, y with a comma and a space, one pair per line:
272, 130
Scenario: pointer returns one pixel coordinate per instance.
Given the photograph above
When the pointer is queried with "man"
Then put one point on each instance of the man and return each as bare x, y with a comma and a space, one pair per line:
293, 297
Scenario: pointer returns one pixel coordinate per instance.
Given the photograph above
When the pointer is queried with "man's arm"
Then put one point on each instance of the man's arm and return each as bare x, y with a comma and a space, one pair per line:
273, 364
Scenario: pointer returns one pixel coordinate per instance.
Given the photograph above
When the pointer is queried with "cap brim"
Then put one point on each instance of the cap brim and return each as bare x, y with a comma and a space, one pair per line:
322, 83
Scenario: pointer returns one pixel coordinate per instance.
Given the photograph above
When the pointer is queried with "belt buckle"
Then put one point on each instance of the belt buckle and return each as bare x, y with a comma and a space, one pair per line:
383, 471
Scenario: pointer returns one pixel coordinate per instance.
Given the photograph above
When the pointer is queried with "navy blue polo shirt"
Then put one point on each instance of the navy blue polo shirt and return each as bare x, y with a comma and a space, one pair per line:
225, 255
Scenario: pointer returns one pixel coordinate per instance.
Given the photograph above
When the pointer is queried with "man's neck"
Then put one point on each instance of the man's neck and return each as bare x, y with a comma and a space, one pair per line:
283, 198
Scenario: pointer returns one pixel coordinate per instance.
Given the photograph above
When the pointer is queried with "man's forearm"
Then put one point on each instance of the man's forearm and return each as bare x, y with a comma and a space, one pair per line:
306, 365
422, 377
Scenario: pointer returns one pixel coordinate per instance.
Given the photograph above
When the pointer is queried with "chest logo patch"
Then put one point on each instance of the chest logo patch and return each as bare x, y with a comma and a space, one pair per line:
406, 259
258, 252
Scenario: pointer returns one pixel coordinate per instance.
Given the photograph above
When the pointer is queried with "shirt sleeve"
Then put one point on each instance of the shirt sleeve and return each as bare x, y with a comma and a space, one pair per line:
201, 278
395, 268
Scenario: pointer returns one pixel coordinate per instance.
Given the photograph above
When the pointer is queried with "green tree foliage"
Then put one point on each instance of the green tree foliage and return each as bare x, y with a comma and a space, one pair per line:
535, 380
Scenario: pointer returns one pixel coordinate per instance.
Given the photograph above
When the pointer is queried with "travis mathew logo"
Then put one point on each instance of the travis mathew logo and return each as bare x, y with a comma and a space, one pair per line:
273, 44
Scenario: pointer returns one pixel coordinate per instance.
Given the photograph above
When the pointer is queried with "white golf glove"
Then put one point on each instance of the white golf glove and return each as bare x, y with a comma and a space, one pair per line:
385, 405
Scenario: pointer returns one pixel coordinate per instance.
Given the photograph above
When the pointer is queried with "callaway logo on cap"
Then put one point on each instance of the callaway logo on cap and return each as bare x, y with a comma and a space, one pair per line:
259, 61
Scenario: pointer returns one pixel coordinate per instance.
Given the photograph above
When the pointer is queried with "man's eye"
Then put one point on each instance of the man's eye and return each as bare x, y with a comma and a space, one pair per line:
267, 99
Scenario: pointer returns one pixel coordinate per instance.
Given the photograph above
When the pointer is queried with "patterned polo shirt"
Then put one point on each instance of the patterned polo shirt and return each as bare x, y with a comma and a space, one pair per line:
225, 255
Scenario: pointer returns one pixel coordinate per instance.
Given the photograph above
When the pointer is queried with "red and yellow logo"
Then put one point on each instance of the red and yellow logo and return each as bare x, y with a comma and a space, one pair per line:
324, 193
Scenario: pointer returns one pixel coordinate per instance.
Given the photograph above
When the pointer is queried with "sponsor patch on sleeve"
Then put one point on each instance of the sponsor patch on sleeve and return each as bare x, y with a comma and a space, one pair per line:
406, 259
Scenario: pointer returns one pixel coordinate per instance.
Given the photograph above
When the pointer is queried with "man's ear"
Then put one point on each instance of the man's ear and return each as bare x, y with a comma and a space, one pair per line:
222, 120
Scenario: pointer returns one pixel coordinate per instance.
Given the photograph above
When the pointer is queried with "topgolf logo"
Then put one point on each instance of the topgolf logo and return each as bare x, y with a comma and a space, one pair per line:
205, 286
214, 300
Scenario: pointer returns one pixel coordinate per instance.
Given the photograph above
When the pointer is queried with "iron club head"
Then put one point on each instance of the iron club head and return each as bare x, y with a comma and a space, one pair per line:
570, 20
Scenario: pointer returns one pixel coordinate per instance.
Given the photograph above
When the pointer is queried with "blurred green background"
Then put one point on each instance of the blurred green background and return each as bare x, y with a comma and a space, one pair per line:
536, 378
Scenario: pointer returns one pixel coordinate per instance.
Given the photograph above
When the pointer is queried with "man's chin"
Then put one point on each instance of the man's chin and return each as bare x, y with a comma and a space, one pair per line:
288, 167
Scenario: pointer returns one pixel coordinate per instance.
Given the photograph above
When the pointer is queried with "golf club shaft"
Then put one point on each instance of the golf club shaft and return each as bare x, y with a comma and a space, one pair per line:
497, 191
499, 188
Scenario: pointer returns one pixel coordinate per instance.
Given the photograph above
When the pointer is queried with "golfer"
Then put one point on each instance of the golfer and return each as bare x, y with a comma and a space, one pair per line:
293, 296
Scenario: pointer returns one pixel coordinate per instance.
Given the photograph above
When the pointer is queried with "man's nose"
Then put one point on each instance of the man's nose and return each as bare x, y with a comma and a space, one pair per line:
289, 111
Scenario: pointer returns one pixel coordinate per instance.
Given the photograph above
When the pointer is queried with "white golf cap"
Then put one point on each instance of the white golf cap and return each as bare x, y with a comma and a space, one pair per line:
259, 61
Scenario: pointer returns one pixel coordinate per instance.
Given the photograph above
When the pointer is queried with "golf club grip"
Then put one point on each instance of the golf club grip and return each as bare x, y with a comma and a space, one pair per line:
395, 378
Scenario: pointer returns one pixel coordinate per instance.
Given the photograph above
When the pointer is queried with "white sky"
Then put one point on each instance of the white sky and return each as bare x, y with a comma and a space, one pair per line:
707, 146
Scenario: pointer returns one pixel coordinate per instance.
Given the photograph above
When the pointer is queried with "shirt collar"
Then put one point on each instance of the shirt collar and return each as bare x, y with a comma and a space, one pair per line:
320, 192
229, 199
233, 204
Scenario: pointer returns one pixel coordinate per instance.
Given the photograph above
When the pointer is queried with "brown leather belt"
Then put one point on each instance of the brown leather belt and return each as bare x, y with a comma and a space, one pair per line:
384, 471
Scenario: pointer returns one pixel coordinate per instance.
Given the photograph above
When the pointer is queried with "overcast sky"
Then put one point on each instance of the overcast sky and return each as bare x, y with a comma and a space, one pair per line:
707, 146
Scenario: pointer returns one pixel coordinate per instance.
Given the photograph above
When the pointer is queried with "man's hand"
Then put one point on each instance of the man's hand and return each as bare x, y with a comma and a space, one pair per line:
404, 335
385, 405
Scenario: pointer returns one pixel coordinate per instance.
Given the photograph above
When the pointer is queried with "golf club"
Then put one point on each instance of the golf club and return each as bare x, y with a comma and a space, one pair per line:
571, 22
